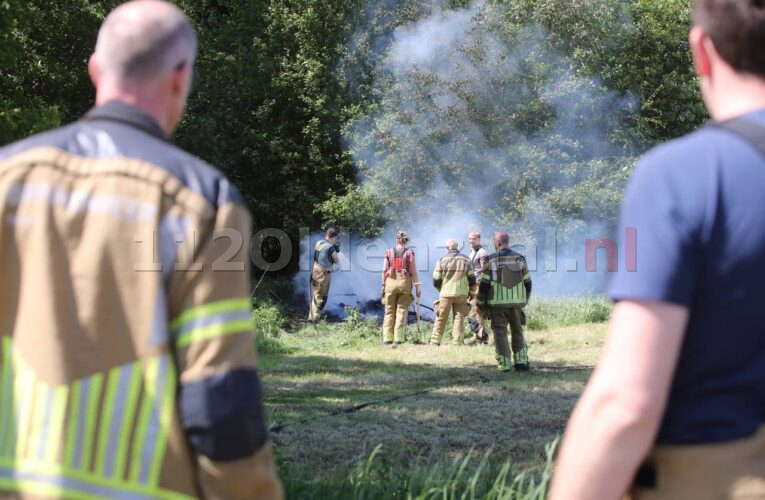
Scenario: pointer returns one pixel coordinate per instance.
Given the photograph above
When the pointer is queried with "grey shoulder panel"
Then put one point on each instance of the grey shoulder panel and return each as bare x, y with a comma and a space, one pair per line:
110, 139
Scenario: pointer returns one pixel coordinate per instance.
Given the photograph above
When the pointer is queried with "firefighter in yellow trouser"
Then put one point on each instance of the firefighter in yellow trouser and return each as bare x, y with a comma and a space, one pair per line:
503, 293
476, 320
324, 257
399, 274
454, 279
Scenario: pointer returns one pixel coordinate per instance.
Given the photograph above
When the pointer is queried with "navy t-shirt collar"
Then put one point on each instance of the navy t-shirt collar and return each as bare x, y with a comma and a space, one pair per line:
757, 115
129, 115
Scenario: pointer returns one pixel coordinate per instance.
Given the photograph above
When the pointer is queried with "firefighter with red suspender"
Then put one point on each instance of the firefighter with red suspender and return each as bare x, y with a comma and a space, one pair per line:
398, 276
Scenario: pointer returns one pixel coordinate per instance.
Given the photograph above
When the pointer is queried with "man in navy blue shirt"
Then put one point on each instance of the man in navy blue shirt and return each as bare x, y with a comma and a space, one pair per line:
676, 406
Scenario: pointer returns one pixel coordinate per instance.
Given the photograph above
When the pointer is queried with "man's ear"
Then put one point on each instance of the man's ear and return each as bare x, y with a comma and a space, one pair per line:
701, 48
181, 82
93, 71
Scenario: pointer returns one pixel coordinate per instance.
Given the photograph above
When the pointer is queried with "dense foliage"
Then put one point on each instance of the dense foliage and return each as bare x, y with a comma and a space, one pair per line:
301, 102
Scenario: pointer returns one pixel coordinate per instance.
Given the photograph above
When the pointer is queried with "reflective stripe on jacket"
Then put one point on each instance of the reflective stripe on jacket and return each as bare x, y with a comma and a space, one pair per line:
504, 280
453, 275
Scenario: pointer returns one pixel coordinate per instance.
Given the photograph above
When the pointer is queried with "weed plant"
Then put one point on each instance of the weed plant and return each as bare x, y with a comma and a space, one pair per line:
268, 322
357, 327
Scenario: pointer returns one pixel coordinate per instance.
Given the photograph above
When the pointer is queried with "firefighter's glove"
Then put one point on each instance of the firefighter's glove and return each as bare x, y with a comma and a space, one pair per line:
419, 292
337, 247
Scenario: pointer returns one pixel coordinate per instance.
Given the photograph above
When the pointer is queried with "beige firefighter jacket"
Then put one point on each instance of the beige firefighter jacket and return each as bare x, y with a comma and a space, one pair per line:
127, 359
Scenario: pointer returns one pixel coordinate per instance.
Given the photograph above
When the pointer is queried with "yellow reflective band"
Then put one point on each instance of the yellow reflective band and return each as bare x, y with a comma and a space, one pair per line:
90, 420
24, 393
165, 420
74, 417
60, 482
150, 370
39, 412
127, 422
47, 490
56, 424
209, 309
107, 412
213, 331
99, 423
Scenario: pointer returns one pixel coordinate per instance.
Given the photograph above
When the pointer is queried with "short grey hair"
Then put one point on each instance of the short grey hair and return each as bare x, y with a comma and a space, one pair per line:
451, 244
137, 47
502, 237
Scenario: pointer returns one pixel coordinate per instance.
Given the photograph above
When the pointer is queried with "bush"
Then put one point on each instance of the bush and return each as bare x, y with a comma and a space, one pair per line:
356, 325
359, 210
267, 322
544, 312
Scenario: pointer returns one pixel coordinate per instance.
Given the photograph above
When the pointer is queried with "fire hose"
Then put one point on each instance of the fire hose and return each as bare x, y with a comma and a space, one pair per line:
423, 305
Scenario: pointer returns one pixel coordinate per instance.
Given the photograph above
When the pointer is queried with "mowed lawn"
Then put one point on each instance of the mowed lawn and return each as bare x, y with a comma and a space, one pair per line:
336, 396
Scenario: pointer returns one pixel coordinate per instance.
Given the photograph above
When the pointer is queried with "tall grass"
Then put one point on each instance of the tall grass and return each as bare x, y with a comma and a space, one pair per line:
268, 322
549, 312
378, 476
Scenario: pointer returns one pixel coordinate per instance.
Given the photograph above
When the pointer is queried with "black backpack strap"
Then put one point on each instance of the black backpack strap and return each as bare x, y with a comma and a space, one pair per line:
751, 132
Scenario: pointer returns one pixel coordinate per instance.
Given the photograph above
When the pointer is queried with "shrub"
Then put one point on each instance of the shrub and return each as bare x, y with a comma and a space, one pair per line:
267, 322
356, 329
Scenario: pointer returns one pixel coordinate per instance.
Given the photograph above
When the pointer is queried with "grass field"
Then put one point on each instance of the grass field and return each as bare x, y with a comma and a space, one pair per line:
351, 418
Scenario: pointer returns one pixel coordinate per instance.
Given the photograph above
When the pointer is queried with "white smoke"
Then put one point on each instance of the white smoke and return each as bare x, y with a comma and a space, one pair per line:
452, 82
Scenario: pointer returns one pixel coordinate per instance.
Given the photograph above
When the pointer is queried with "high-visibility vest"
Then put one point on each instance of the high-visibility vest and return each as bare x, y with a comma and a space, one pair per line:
503, 277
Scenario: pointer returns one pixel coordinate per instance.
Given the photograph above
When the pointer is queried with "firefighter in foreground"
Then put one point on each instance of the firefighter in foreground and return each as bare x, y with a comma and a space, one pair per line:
478, 256
504, 291
454, 279
122, 376
324, 258
399, 274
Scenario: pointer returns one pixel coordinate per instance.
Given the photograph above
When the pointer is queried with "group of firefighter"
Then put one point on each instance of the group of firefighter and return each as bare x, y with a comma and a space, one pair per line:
482, 287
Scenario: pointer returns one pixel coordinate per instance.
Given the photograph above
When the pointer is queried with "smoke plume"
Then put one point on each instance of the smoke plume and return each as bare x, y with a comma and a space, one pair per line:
477, 124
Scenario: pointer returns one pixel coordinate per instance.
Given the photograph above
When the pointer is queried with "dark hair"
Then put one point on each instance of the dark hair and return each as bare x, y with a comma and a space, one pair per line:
331, 233
737, 29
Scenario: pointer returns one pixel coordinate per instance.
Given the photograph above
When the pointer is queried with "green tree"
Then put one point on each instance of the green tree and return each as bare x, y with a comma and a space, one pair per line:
299, 101
269, 104
43, 63
359, 210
